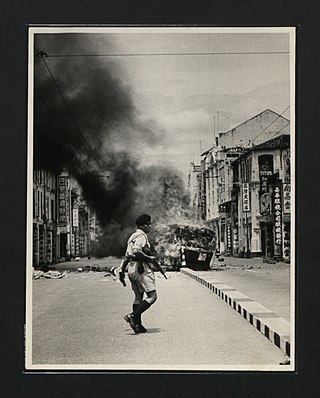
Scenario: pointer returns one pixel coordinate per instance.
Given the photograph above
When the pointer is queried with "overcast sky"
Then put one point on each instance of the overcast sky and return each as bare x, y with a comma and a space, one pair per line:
183, 93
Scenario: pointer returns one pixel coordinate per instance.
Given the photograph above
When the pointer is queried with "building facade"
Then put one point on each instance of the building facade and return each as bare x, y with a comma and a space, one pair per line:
63, 224
45, 243
195, 190
262, 191
240, 176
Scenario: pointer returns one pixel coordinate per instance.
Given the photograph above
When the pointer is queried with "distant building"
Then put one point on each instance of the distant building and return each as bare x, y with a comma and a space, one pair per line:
85, 226
45, 243
63, 224
258, 129
194, 190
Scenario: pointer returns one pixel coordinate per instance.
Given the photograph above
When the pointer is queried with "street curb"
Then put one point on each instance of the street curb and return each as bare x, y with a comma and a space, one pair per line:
275, 328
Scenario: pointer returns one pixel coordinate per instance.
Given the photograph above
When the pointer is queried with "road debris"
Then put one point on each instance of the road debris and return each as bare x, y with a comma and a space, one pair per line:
49, 275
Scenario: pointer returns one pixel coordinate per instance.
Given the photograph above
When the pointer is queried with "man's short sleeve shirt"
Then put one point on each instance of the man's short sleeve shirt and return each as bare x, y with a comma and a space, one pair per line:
138, 240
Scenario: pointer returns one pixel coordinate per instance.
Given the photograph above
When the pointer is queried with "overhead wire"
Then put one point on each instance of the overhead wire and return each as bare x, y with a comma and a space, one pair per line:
278, 116
280, 130
52, 113
168, 54
42, 55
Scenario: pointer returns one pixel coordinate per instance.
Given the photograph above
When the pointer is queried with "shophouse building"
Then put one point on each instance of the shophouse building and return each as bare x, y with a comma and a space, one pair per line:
221, 197
85, 225
63, 224
262, 195
45, 242
195, 190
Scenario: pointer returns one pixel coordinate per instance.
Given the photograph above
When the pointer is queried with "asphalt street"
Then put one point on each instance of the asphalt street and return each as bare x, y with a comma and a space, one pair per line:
268, 284
78, 320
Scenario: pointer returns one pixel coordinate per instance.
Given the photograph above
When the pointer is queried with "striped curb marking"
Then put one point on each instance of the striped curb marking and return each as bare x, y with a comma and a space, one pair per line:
275, 328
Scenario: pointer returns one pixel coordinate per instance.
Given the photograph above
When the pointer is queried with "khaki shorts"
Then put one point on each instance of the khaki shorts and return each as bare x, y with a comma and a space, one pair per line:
142, 283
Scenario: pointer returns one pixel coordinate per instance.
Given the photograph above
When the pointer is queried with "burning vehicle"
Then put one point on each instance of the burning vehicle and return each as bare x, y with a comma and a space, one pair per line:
180, 245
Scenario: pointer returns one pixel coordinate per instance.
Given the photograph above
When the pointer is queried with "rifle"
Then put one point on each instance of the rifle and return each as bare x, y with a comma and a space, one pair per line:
157, 264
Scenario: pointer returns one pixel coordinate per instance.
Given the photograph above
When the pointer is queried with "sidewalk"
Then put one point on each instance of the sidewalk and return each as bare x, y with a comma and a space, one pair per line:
259, 291
269, 284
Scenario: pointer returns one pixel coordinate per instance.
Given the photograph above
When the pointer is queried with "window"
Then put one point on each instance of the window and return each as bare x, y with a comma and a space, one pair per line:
38, 204
34, 204
53, 216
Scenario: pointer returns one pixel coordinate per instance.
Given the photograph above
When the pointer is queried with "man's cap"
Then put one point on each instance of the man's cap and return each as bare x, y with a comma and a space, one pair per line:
143, 219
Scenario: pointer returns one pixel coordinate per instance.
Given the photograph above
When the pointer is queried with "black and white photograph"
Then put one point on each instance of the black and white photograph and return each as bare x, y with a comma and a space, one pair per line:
160, 223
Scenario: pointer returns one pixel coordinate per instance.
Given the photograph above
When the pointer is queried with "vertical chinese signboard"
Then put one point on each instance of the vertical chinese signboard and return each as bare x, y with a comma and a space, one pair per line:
75, 223
75, 217
63, 202
228, 237
277, 206
286, 198
265, 174
245, 197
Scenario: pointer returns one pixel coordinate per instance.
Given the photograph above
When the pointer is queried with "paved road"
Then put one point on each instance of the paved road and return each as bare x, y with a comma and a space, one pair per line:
79, 320
268, 284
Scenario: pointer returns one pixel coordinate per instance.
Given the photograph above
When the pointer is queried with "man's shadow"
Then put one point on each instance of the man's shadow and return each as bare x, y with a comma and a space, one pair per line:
150, 330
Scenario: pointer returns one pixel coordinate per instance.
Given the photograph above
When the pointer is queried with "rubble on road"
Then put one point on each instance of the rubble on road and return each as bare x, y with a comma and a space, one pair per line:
49, 275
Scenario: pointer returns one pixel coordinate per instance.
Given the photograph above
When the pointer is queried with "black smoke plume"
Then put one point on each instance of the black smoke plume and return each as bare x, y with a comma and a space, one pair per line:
86, 122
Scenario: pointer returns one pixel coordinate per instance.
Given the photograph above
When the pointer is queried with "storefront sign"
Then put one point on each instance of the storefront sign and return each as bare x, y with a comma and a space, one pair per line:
76, 243
245, 197
277, 203
228, 237
286, 241
265, 204
235, 239
286, 198
265, 172
75, 217
63, 201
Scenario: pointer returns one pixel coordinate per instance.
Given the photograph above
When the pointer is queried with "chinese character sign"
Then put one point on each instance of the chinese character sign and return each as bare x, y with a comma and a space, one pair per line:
265, 172
245, 197
63, 202
228, 237
286, 198
277, 205
75, 218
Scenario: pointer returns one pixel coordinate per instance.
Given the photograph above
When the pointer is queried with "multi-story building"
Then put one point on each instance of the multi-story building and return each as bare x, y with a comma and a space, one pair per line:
45, 244
64, 216
222, 197
85, 226
217, 174
258, 129
194, 190
63, 224
262, 194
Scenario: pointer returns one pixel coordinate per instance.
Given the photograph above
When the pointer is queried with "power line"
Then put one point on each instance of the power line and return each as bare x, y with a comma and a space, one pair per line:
280, 130
167, 54
270, 124
42, 55
52, 113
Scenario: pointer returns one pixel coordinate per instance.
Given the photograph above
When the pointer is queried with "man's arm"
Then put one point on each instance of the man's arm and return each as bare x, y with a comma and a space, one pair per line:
149, 258
122, 270
140, 255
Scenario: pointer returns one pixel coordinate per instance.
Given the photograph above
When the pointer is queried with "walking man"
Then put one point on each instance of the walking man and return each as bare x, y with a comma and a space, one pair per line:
139, 261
